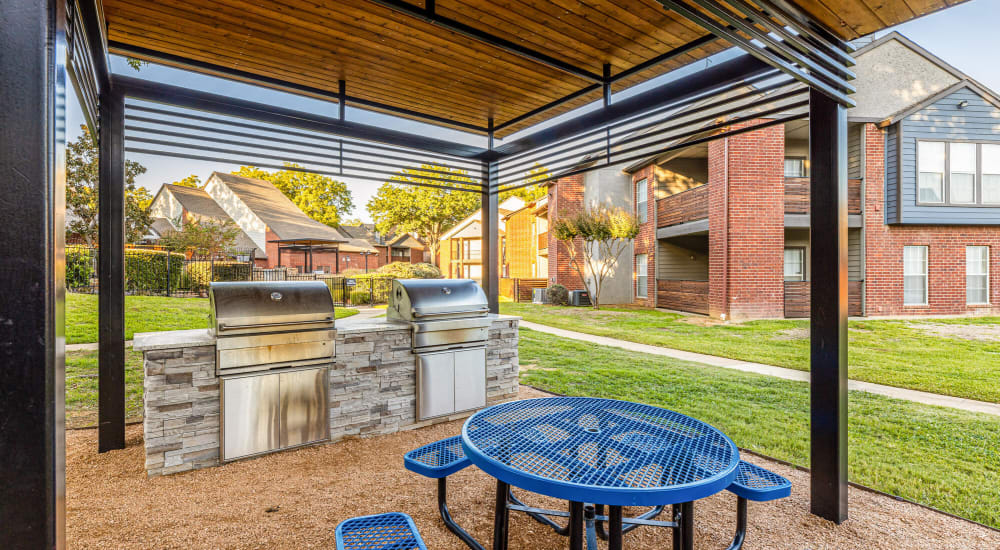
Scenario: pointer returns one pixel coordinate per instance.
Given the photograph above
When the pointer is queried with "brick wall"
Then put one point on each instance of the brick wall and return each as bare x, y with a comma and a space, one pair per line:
565, 200
746, 224
645, 241
945, 251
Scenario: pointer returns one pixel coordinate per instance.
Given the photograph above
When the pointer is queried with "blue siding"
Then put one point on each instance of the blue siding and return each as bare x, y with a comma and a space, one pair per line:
891, 174
979, 120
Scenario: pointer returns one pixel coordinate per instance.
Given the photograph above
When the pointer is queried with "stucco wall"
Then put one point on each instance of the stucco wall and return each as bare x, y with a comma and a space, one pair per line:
892, 77
253, 226
167, 206
612, 188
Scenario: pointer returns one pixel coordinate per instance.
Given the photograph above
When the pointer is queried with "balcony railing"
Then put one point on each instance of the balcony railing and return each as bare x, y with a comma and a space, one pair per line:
689, 296
797, 298
686, 206
543, 240
797, 196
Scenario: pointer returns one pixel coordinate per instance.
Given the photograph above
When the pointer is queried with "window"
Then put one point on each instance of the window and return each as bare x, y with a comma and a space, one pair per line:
641, 200
958, 173
977, 274
930, 161
473, 249
914, 275
991, 174
962, 188
641, 276
795, 264
795, 167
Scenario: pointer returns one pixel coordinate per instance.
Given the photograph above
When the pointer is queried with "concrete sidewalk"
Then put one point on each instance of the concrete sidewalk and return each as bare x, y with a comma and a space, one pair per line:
770, 370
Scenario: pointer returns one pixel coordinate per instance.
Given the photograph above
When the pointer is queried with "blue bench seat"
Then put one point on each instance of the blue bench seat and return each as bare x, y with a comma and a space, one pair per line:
439, 459
392, 531
759, 485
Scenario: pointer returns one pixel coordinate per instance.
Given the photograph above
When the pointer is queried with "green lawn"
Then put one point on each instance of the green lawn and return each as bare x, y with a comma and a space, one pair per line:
894, 353
81, 387
143, 314
940, 457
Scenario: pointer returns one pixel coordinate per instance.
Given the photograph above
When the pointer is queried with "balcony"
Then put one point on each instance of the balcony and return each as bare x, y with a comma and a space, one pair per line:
797, 298
686, 206
543, 241
689, 296
797, 196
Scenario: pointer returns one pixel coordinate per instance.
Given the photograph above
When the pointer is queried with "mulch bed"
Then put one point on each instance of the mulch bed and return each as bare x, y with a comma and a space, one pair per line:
296, 499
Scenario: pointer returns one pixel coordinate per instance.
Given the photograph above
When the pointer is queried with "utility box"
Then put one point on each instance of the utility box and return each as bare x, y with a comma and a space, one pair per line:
579, 298
540, 296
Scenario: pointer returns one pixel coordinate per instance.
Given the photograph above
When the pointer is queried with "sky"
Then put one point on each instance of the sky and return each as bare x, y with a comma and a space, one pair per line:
965, 36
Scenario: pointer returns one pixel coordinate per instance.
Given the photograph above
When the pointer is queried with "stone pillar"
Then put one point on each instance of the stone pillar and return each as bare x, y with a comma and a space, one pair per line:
747, 224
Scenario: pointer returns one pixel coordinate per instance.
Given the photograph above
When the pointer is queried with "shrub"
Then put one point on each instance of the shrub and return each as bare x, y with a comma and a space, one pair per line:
148, 270
79, 266
201, 273
558, 295
404, 270
359, 297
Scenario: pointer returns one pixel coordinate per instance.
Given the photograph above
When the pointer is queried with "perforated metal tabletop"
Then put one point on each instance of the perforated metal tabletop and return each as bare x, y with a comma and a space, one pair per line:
601, 451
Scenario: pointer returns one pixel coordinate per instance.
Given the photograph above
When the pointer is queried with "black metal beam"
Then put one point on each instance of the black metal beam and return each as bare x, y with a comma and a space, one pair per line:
32, 368
93, 22
111, 274
429, 16
725, 73
490, 224
666, 56
828, 306
226, 105
238, 75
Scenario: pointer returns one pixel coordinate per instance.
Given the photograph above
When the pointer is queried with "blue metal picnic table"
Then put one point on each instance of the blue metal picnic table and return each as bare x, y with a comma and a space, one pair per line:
592, 451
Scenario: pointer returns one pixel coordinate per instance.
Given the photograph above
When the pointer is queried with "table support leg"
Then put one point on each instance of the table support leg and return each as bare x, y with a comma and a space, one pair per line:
501, 518
615, 528
448, 521
687, 526
575, 526
675, 511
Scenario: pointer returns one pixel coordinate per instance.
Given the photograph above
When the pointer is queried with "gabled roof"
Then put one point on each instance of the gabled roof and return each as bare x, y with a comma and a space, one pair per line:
985, 93
277, 211
196, 201
504, 208
160, 227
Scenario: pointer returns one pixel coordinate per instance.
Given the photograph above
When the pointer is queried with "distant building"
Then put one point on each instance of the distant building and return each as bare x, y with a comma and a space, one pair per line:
175, 204
460, 253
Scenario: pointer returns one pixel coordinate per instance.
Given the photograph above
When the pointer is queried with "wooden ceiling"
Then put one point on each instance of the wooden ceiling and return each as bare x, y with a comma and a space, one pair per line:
396, 59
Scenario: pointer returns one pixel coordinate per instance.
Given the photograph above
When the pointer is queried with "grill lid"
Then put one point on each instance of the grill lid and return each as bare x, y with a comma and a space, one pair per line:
242, 307
431, 299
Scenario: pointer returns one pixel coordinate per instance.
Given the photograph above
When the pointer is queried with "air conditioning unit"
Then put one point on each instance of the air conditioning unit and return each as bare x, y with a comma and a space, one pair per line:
539, 295
579, 298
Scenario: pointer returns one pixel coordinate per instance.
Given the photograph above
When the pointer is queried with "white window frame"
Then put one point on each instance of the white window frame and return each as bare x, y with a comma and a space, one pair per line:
802, 275
981, 148
804, 167
642, 207
921, 156
924, 275
642, 276
985, 275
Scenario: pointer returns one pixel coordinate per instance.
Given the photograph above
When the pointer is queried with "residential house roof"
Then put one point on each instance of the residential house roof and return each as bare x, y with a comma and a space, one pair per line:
504, 208
279, 213
201, 206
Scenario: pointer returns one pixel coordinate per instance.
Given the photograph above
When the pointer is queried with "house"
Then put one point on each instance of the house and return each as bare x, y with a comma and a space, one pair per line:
394, 247
174, 205
725, 224
460, 250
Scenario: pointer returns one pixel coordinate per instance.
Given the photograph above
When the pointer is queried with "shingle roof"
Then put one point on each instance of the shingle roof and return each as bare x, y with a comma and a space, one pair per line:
201, 205
277, 211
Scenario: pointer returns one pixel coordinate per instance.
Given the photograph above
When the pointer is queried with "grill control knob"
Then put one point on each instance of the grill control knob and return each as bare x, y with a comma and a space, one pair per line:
445, 290
276, 296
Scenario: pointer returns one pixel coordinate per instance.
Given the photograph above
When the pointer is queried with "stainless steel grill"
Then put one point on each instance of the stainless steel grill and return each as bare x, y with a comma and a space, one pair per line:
450, 323
274, 346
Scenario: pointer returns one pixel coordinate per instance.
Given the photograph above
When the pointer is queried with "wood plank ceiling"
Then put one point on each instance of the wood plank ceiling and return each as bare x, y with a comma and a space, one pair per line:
396, 59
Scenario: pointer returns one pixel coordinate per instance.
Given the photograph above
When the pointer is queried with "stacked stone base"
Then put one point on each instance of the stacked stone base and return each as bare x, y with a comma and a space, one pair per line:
372, 389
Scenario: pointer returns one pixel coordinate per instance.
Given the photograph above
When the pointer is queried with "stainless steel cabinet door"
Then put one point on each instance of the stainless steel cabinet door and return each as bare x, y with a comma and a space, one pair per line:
304, 409
470, 379
249, 415
435, 384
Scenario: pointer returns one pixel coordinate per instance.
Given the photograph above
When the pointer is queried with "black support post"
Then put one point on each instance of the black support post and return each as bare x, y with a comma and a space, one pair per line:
111, 257
32, 290
491, 229
828, 306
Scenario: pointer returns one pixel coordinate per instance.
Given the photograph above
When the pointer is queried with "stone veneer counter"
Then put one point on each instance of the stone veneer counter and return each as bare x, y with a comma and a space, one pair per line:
372, 387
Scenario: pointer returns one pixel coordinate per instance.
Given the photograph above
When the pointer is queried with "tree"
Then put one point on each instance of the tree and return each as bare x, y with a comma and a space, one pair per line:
81, 192
204, 237
605, 234
529, 193
427, 211
322, 198
192, 181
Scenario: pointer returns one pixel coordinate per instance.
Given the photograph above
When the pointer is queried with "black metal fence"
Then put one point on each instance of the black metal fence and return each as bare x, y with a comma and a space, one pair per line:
152, 272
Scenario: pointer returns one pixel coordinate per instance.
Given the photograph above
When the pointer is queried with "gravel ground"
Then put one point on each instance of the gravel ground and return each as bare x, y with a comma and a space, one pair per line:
295, 499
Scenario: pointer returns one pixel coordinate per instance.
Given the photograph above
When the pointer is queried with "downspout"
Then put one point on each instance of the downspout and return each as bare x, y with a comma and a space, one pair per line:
863, 240
725, 223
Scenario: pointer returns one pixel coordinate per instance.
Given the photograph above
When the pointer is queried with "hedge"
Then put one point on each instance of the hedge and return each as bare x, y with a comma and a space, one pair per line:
201, 273
146, 270
79, 266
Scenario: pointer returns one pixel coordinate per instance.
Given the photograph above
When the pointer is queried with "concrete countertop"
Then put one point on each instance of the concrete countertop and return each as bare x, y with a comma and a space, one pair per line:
174, 339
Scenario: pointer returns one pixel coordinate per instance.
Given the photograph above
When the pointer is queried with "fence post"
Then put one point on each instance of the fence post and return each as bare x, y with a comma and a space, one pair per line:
211, 274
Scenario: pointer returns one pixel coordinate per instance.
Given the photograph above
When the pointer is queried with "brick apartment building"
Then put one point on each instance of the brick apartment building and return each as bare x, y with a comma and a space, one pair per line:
277, 231
725, 224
